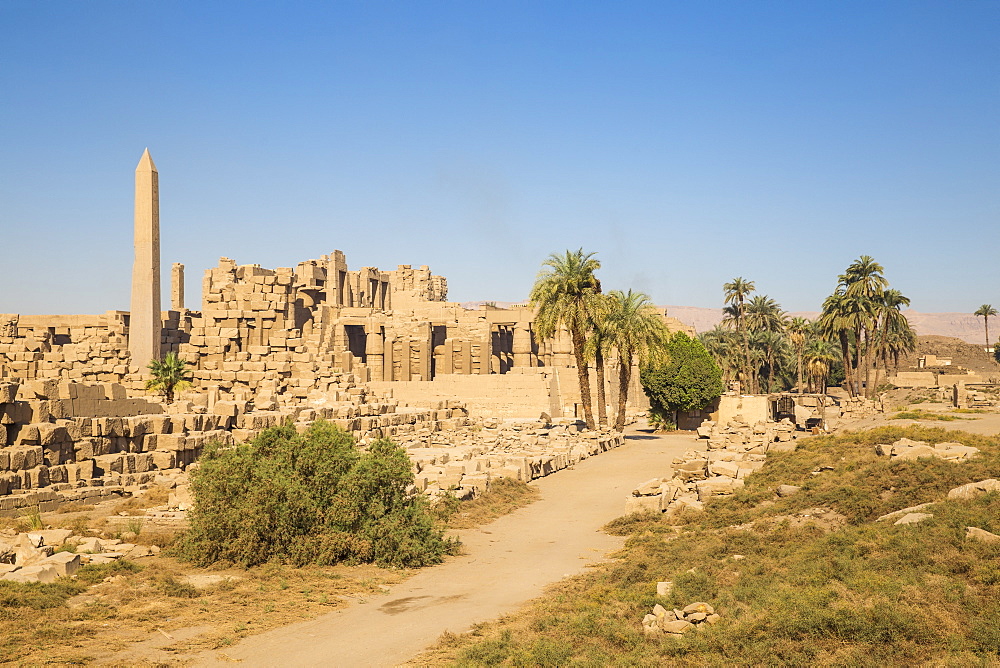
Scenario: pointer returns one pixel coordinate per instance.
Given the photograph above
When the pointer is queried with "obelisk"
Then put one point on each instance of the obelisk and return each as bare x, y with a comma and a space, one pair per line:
144, 318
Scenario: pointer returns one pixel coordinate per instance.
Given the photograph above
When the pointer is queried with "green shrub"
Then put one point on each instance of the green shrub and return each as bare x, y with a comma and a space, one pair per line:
309, 498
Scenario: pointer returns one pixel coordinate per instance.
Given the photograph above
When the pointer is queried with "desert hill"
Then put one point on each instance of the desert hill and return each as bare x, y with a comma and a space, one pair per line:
963, 326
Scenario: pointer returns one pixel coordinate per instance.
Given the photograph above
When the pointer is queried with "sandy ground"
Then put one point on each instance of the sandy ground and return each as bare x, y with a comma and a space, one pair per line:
987, 424
505, 564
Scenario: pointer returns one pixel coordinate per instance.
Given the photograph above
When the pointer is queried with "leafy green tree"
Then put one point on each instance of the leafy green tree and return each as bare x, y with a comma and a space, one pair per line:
169, 376
633, 326
308, 498
566, 294
688, 380
986, 311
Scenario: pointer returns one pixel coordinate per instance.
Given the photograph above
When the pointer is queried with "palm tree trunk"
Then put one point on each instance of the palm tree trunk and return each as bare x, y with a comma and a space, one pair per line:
624, 377
986, 324
845, 350
869, 351
579, 342
602, 402
798, 369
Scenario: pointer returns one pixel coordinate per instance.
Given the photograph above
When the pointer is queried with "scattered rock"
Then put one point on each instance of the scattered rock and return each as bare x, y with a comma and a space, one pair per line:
981, 535
906, 449
913, 518
787, 490
904, 511
678, 622
974, 489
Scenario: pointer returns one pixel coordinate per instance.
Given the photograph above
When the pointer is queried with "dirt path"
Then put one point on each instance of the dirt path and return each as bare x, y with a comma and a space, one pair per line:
506, 564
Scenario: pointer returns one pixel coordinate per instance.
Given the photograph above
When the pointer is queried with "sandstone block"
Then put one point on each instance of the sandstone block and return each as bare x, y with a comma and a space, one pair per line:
981, 535
974, 489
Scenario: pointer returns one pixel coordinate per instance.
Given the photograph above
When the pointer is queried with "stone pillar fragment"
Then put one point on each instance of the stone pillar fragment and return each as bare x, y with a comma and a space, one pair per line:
177, 286
522, 344
144, 314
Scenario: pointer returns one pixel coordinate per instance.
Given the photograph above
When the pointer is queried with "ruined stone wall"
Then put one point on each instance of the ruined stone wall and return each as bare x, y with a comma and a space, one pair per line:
78, 347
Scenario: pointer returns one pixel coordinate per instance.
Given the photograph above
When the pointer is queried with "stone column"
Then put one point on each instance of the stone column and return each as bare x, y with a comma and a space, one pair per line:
144, 314
375, 352
464, 354
422, 350
522, 344
447, 362
177, 286
486, 352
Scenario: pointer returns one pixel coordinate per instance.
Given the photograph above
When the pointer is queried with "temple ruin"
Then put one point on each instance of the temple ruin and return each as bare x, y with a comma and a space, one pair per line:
381, 353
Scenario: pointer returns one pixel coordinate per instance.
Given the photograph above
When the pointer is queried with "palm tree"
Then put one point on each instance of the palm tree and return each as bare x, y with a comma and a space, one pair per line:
863, 281
772, 349
724, 345
820, 356
636, 330
986, 310
763, 314
894, 334
838, 321
798, 329
168, 376
597, 347
864, 277
735, 293
564, 294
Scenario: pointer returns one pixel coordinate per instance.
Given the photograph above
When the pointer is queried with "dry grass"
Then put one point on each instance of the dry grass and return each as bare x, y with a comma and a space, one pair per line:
159, 601
866, 594
156, 616
504, 496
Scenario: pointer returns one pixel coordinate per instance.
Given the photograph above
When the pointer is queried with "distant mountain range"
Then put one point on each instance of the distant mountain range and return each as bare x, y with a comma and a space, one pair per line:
964, 326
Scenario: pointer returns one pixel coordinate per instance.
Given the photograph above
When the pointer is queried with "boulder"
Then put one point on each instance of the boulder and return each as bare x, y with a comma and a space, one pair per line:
677, 626
64, 563
974, 489
643, 504
787, 490
698, 607
981, 535
913, 518
719, 485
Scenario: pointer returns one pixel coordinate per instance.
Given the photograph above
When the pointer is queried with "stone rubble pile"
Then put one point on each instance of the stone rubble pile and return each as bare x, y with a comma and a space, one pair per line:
735, 451
677, 622
906, 449
466, 460
38, 556
737, 435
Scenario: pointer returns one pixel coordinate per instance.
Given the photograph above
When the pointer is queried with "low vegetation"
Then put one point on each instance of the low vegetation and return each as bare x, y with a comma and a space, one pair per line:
98, 617
791, 590
918, 414
504, 496
310, 498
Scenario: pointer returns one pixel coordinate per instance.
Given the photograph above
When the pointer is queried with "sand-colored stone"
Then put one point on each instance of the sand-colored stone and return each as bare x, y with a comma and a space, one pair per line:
144, 313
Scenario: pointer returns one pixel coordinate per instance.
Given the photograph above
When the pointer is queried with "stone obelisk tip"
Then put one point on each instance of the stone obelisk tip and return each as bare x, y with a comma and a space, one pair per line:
146, 163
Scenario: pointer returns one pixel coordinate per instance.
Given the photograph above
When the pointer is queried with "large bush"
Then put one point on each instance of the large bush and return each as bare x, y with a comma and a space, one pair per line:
689, 379
309, 498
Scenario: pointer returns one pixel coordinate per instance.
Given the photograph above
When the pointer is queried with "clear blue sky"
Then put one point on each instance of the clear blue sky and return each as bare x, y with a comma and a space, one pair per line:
685, 142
